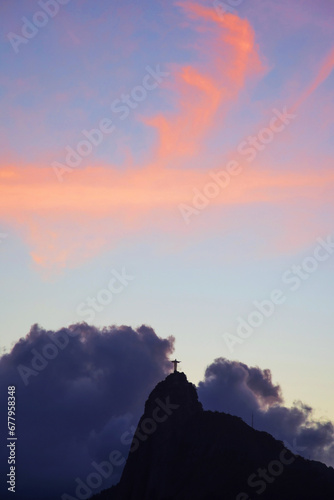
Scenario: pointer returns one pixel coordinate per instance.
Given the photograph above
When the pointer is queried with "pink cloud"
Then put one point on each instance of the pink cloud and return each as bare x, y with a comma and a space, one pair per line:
231, 56
323, 73
66, 223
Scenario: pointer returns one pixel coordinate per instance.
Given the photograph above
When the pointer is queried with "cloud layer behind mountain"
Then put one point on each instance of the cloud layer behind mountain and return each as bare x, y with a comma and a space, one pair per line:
79, 390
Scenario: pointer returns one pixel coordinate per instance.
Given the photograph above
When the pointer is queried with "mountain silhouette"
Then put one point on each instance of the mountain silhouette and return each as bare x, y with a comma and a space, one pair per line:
181, 452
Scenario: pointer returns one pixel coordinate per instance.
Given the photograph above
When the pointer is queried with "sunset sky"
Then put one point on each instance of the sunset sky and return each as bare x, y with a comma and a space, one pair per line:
180, 153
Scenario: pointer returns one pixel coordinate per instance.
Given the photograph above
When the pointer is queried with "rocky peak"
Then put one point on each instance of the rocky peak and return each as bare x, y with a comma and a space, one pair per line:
176, 389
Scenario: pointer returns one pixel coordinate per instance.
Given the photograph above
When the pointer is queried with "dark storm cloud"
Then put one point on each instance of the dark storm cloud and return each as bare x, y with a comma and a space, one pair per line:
77, 390
235, 388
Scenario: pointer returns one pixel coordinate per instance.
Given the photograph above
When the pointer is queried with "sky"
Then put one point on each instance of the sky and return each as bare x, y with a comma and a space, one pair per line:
169, 164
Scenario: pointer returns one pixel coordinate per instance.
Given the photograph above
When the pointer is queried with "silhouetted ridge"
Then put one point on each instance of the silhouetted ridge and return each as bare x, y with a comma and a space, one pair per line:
181, 452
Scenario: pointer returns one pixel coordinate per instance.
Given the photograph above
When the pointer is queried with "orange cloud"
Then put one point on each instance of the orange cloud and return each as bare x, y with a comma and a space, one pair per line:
235, 33
231, 55
68, 223
199, 98
324, 71
102, 190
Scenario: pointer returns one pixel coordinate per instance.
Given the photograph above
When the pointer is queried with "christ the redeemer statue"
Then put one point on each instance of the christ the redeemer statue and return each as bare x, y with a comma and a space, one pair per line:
175, 362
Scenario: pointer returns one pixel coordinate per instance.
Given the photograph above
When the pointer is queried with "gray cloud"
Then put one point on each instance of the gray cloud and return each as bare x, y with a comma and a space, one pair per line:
233, 387
74, 410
